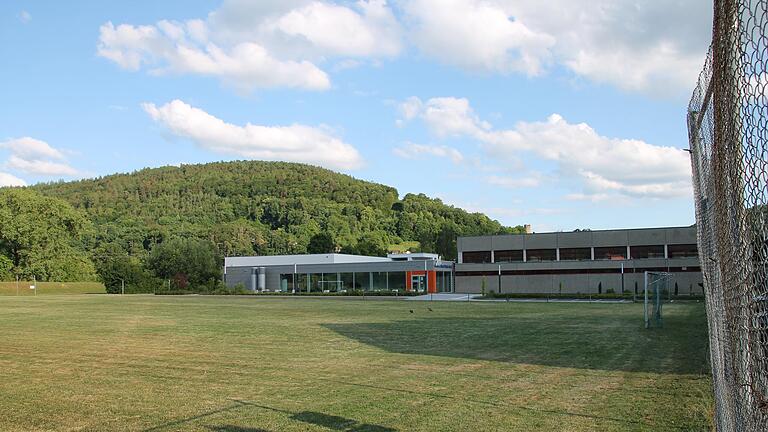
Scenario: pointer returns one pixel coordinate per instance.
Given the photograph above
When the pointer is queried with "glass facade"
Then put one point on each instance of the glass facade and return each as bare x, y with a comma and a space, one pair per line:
478, 257
286, 282
444, 282
651, 251
540, 255
397, 281
611, 253
502, 256
575, 254
683, 251
365, 281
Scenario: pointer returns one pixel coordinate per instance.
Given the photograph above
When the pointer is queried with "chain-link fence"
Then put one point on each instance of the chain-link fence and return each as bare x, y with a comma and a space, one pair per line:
728, 128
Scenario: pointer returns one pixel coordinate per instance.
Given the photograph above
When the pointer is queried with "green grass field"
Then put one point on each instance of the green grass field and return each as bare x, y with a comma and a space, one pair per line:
145, 363
45, 288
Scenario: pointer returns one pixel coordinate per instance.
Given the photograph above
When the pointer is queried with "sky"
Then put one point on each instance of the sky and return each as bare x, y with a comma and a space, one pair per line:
562, 114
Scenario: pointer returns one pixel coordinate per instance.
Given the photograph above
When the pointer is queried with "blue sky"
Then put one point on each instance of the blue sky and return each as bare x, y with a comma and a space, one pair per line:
561, 114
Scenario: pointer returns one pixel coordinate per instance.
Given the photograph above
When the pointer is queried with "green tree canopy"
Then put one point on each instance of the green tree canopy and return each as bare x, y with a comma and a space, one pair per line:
321, 243
42, 237
190, 263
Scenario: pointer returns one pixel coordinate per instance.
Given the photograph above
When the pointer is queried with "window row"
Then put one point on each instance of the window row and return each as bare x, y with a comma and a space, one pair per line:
364, 281
581, 254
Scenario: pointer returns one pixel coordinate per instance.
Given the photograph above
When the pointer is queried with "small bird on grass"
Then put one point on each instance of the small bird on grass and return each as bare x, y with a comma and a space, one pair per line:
411, 310
430, 309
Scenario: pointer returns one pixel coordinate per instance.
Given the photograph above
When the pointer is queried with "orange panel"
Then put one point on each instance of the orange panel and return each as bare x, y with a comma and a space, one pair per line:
432, 281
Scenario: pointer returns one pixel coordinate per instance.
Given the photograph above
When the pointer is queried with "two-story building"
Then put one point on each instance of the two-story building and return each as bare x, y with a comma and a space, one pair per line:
600, 261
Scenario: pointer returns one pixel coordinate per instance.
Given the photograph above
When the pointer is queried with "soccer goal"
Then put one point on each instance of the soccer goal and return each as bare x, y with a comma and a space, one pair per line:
330, 285
655, 286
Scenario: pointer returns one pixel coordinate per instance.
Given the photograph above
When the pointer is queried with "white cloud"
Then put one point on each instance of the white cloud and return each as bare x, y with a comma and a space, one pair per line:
34, 156
251, 46
603, 165
10, 180
295, 143
170, 48
530, 181
25, 17
646, 46
477, 35
42, 167
415, 151
371, 31
30, 148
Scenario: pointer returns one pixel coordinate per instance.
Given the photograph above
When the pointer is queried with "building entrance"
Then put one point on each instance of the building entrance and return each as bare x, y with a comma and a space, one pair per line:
419, 283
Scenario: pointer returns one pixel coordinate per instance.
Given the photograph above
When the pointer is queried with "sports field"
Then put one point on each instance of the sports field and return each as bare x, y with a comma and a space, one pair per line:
146, 363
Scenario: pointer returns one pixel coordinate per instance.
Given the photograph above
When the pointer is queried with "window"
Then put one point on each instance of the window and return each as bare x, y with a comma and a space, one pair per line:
363, 281
479, 257
611, 253
540, 255
346, 281
641, 252
286, 282
502, 256
575, 254
397, 281
379, 281
683, 251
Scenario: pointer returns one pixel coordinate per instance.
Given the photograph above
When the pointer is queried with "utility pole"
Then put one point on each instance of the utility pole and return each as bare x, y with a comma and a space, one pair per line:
34, 284
622, 278
122, 286
17, 285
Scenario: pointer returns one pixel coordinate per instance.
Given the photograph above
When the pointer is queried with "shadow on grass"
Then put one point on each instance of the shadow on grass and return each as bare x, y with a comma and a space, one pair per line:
232, 428
338, 423
606, 342
310, 417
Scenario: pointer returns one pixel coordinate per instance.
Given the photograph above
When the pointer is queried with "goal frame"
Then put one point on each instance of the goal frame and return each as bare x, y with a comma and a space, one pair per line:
658, 300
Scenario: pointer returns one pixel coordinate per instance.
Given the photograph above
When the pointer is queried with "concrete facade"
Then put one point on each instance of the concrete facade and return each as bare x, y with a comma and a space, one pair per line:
595, 266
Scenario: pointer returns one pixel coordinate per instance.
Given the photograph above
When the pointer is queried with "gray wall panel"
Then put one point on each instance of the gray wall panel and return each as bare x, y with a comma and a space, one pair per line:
574, 239
647, 237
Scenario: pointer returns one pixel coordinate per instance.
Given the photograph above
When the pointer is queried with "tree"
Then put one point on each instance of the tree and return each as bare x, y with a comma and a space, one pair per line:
41, 237
321, 243
186, 261
6, 268
372, 244
261, 208
445, 245
115, 268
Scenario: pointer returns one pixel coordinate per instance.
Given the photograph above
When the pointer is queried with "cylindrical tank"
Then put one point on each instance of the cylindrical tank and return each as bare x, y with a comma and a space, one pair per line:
254, 273
262, 278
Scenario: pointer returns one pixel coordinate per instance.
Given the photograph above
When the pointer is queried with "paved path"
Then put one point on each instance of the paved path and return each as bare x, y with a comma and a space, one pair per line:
477, 298
444, 297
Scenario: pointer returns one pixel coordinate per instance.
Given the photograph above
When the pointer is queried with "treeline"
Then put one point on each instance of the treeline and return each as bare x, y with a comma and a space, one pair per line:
124, 223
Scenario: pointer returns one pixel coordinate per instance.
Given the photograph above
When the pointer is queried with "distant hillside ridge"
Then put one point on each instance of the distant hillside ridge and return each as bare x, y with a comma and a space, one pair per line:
263, 208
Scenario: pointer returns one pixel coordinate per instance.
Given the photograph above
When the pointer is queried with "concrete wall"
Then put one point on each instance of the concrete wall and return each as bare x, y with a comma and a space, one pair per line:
688, 282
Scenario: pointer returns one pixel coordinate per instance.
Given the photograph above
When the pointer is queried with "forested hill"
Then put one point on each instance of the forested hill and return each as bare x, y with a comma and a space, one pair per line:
254, 207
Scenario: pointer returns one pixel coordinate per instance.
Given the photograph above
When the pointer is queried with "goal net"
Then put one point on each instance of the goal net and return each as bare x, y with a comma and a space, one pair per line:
656, 287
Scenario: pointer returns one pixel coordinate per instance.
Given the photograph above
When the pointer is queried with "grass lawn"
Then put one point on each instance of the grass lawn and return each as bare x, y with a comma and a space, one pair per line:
146, 363
44, 288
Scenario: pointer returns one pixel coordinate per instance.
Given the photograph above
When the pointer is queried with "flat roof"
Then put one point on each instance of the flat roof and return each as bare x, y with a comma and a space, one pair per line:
273, 260
584, 230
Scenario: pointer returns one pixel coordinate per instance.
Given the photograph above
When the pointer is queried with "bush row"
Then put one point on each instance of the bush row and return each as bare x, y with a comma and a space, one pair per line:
626, 295
242, 291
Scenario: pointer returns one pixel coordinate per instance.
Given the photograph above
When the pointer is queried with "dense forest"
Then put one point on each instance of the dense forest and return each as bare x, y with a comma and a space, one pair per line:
124, 223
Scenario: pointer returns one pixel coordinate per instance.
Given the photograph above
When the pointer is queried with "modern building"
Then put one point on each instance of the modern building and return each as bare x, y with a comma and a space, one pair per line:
579, 262
418, 272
